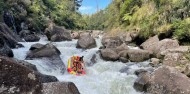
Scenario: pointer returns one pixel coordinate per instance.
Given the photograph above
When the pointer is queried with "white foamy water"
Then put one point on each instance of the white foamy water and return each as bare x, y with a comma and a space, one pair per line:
101, 78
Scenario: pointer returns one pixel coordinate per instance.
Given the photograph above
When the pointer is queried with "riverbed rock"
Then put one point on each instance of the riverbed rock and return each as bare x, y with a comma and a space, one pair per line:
176, 60
60, 88
4, 49
138, 55
121, 48
153, 44
24, 33
86, 42
187, 70
56, 34
109, 54
154, 62
9, 37
31, 38
36, 46
111, 42
17, 79
47, 50
75, 35
141, 82
167, 80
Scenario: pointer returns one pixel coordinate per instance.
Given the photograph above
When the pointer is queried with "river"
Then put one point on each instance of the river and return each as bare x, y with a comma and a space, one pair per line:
104, 77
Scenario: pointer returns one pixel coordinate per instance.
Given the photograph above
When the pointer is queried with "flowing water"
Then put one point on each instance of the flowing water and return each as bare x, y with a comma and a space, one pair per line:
104, 77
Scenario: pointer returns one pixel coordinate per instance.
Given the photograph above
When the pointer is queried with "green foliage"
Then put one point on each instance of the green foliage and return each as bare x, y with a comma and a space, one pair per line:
39, 12
182, 30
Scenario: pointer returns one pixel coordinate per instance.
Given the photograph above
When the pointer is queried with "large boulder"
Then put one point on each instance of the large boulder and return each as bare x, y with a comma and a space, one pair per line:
36, 46
60, 88
17, 79
31, 38
138, 55
9, 37
121, 48
156, 46
150, 43
57, 33
111, 42
47, 50
49, 55
86, 42
167, 80
109, 54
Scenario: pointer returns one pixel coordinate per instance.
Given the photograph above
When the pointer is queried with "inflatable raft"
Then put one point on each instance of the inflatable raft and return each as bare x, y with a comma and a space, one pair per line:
72, 68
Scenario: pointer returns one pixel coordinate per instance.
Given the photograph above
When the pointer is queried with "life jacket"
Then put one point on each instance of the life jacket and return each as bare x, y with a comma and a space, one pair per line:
76, 64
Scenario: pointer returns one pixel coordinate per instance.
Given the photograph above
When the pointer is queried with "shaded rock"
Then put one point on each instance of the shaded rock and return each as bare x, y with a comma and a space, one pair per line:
124, 54
57, 34
111, 42
4, 49
167, 80
60, 88
86, 42
46, 78
187, 70
123, 59
24, 33
141, 82
128, 38
17, 79
93, 59
26, 64
138, 55
36, 46
124, 70
8, 36
140, 71
31, 38
109, 54
47, 50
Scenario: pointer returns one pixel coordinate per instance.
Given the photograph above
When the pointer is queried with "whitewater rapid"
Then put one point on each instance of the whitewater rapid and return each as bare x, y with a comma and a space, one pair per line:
104, 77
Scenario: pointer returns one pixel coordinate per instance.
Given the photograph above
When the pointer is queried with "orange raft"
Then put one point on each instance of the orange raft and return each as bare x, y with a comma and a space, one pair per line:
72, 68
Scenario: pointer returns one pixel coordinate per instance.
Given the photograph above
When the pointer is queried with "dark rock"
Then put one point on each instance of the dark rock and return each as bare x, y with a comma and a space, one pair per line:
8, 36
17, 79
109, 54
57, 33
141, 82
124, 70
26, 64
123, 59
60, 88
47, 50
36, 46
5, 50
31, 38
86, 41
46, 78
187, 70
140, 71
24, 33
